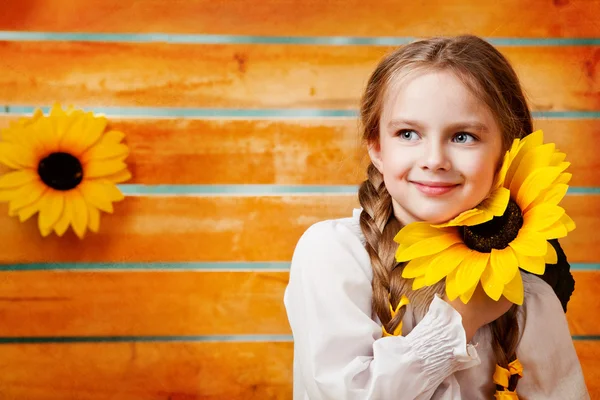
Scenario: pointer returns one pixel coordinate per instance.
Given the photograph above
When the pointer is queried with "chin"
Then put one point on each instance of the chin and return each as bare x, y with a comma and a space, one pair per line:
435, 217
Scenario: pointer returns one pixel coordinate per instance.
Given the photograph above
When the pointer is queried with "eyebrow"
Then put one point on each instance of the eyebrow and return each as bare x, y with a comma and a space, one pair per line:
477, 126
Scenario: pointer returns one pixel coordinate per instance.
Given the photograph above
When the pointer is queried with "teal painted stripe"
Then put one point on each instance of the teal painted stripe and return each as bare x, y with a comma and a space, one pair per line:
245, 190
175, 112
583, 190
270, 266
586, 337
138, 339
249, 39
266, 190
180, 339
233, 266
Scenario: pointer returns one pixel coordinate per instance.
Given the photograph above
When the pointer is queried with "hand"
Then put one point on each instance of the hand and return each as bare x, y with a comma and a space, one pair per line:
479, 311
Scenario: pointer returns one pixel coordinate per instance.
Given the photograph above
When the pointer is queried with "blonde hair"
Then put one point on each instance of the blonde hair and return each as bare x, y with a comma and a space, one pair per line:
490, 77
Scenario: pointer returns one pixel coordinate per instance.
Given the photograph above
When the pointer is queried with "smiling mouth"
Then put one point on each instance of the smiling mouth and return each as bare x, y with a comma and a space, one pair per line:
435, 189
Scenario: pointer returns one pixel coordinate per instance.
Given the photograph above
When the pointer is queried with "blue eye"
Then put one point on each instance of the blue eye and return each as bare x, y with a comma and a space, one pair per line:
463, 137
408, 134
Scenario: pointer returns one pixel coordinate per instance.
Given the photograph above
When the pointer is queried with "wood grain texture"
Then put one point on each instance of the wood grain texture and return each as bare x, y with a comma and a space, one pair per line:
288, 152
126, 303
264, 228
252, 76
147, 371
504, 18
176, 371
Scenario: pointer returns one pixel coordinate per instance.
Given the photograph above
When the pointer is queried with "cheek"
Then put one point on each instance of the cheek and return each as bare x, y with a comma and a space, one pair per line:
396, 163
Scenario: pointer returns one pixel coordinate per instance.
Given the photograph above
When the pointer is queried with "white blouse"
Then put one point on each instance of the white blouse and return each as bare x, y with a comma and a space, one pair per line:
339, 353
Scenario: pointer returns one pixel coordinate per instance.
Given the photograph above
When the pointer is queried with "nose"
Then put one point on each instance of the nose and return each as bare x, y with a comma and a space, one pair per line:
435, 157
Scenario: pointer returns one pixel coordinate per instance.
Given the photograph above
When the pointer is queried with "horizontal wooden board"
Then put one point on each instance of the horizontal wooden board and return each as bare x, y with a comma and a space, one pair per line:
125, 303
227, 228
298, 151
147, 371
540, 18
251, 76
176, 371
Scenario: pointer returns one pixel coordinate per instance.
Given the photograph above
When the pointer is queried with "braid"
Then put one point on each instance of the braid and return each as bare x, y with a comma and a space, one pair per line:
505, 339
379, 227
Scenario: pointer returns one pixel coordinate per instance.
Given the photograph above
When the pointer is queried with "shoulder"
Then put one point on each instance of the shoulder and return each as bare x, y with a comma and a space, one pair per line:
330, 245
543, 311
539, 295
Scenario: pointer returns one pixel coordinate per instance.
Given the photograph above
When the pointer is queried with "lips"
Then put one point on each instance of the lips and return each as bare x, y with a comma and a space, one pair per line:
431, 188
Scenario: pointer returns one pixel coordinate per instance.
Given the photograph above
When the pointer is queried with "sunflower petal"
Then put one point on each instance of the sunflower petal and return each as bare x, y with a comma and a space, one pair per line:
93, 218
416, 267
121, 176
555, 231
535, 265
444, 263
529, 243
418, 283
565, 178
428, 247
551, 257
513, 291
553, 195
415, 232
465, 217
504, 264
80, 213
17, 178
534, 159
542, 216
26, 195
100, 194
529, 142
492, 284
470, 270
27, 212
105, 152
497, 202
51, 209
101, 168
94, 127
113, 136
539, 180
66, 217
452, 286
466, 296
16, 156
557, 158
569, 223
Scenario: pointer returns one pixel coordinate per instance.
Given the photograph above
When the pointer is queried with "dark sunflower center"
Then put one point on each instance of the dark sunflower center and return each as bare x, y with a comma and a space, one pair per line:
61, 171
494, 234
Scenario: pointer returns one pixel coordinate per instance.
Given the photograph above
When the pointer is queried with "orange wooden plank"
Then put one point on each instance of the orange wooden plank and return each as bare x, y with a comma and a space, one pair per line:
505, 18
589, 355
157, 371
147, 371
125, 303
223, 229
311, 151
250, 76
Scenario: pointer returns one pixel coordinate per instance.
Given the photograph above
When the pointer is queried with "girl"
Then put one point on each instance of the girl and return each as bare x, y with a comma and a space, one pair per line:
437, 116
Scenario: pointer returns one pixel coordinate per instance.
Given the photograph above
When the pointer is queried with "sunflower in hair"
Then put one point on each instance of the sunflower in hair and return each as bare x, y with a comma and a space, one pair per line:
64, 167
508, 230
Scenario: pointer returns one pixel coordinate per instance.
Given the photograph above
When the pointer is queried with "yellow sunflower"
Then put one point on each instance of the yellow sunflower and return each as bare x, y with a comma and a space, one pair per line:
508, 230
64, 166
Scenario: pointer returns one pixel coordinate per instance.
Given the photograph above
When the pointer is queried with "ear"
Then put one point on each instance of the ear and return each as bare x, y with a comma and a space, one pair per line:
375, 155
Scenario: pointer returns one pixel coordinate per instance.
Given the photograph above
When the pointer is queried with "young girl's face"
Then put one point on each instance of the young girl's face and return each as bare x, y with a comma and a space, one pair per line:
439, 148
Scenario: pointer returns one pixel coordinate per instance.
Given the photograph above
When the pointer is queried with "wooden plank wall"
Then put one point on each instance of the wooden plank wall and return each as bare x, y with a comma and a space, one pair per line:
179, 296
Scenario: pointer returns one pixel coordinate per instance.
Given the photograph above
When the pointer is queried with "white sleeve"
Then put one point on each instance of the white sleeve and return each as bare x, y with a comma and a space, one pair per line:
338, 350
551, 369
